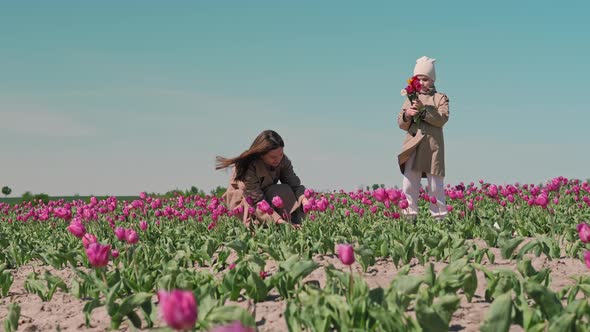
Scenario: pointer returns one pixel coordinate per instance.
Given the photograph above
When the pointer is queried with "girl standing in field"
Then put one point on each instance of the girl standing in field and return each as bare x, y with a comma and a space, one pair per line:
253, 185
423, 153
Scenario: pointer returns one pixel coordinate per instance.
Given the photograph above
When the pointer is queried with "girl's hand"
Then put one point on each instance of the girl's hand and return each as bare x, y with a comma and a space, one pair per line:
417, 104
411, 112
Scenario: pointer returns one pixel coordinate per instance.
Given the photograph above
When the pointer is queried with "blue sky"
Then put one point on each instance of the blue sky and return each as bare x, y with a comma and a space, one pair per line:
118, 97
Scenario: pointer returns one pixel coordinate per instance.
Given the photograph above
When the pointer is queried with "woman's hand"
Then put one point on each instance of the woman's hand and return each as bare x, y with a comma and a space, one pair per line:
282, 221
304, 201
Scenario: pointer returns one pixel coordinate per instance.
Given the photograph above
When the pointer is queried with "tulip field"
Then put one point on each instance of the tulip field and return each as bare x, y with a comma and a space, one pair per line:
506, 258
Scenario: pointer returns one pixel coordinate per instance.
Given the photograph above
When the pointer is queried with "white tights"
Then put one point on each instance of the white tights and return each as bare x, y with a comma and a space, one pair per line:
411, 187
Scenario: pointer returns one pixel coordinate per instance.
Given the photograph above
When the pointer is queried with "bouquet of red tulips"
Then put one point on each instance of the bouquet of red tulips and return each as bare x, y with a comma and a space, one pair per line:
411, 91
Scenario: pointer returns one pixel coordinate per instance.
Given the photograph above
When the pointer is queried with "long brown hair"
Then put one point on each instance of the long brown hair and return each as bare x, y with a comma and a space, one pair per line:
266, 141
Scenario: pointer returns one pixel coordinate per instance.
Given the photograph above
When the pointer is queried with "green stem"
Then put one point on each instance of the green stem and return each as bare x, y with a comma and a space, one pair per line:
104, 277
350, 284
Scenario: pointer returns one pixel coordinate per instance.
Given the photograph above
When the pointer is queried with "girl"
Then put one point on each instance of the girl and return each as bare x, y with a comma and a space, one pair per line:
423, 153
254, 179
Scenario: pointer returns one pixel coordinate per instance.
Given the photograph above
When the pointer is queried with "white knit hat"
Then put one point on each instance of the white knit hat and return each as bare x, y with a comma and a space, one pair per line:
425, 66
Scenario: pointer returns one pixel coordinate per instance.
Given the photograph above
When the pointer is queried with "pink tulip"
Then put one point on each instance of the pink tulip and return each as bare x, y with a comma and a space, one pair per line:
403, 204
322, 204
115, 253
264, 207
98, 254
251, 210
239, 210
132, 237
393, 195
493, 191
432, 199
542, 201
121, 233
77, 229
584, 232
277, 202
178, 308
63, 213
345, 253
587, 258
88, 239
380, 195
143, 225
233, 327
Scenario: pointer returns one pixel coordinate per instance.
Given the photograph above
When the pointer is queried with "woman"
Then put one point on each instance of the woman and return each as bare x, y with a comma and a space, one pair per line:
255, 178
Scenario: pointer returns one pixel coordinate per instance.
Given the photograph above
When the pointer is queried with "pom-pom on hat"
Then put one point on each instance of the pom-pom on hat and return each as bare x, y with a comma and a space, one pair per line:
425, 66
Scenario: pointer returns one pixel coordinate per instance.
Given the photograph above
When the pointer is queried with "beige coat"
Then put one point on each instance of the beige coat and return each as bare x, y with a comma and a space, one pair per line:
427, 141
258, 179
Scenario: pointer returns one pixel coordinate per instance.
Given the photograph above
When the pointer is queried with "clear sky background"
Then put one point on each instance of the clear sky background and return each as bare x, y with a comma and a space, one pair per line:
118, 97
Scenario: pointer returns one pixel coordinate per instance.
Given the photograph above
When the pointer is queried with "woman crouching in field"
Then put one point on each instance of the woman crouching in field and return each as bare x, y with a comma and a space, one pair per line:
253, 185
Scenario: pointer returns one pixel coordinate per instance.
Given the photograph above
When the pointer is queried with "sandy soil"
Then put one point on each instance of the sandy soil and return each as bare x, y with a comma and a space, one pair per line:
64, 312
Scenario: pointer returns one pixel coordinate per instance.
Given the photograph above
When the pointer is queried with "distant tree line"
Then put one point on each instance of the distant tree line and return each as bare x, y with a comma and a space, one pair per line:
31, 197
193, 191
